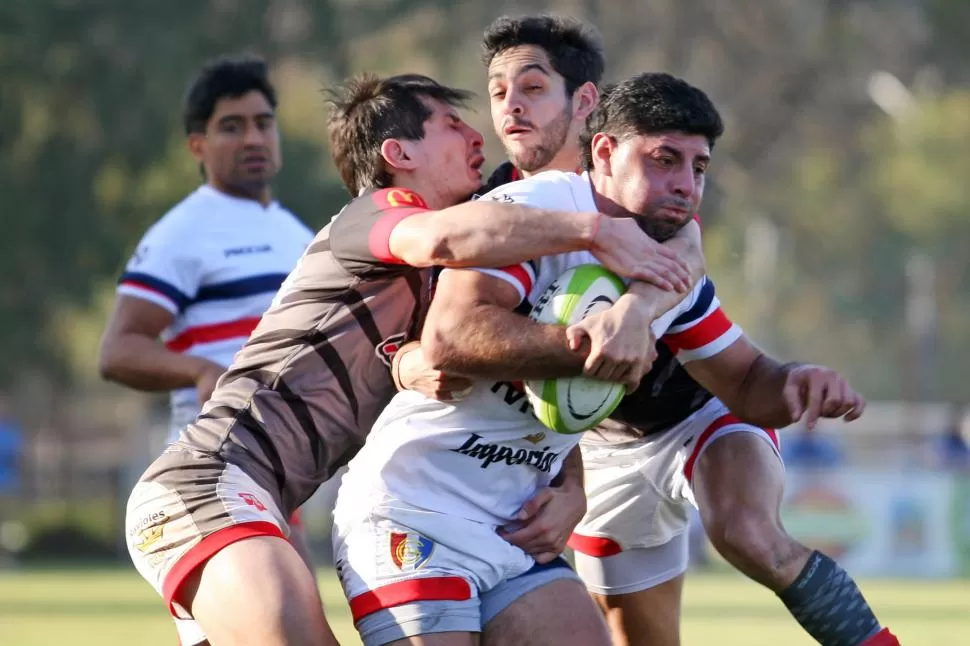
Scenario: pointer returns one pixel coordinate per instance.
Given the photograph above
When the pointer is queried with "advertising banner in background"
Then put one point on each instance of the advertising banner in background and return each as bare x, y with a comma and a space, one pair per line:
880, 523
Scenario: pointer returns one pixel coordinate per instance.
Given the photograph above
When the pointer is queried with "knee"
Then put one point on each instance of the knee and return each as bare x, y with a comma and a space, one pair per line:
750, 540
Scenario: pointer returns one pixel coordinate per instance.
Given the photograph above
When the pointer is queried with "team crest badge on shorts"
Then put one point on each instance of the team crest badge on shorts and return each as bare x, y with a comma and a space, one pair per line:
410, 551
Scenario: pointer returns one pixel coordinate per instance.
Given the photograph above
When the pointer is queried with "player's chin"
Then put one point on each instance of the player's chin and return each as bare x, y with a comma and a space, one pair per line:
474, 178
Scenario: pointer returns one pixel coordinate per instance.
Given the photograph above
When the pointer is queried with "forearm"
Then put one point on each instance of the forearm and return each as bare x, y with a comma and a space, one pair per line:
687, 244
760, 398
490, 234
144, 364
571, 474
489, 342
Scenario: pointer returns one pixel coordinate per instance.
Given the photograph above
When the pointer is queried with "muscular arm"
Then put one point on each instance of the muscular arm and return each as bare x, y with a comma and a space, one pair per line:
749, 382
131, 354
489, 234
471, 330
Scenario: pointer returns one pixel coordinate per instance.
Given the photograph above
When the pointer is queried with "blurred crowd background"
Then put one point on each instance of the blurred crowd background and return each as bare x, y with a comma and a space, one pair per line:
836, 222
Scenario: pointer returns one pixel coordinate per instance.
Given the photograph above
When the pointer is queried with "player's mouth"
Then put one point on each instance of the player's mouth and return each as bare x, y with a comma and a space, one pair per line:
674, 213
476, 162
255, 162
516, 131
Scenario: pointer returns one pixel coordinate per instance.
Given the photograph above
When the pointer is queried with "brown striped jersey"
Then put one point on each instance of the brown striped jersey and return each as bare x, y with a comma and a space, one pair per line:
300, 396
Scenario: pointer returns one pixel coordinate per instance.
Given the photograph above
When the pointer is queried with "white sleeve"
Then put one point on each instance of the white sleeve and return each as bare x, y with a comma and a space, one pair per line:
163, 269
699, 328
548, 191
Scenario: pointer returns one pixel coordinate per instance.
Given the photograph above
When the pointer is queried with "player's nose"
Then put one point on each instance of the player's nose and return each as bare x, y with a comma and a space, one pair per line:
253, 136
513, 103
681, 183
474, 137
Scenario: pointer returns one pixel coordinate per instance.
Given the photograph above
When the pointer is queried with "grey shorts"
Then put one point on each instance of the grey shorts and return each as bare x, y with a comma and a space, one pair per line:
472, 615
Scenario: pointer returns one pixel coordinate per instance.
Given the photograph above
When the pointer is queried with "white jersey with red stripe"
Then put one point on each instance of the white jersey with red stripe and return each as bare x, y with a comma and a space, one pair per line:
481, 458
215, 262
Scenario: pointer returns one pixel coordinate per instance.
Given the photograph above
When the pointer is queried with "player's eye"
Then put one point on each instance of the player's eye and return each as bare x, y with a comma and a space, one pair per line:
497, 94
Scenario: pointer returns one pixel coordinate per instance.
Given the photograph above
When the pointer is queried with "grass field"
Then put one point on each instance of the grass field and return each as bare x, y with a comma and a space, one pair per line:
111, 607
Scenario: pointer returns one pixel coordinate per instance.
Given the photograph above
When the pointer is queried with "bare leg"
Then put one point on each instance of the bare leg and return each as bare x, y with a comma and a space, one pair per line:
648, 617
298, 539
257, 592
439, 639
557, 614
738, 484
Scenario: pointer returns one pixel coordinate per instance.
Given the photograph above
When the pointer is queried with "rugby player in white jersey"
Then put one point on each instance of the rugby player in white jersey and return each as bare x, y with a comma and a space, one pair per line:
202, 276
631, 548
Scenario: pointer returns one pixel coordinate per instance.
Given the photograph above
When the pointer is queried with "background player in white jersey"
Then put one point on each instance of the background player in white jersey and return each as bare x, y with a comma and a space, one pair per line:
530, 61
202, 276
205, 524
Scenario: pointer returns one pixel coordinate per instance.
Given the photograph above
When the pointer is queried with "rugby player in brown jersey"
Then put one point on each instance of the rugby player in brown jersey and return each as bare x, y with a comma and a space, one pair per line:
206, 522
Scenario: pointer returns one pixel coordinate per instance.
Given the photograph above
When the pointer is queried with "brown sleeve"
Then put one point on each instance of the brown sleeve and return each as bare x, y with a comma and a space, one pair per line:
360, 233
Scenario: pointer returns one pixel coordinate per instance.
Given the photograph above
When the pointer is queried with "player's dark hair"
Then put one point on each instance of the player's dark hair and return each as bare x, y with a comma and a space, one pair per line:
220, 78
367, 110
575, 50
650, 104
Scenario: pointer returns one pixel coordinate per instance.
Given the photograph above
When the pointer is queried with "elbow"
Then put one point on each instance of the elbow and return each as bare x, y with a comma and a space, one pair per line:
438, 345
439, 249
437, 351
777, 415
430, 250
109, 365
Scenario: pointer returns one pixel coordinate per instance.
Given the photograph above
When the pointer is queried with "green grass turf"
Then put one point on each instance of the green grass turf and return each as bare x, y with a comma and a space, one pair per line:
108, 607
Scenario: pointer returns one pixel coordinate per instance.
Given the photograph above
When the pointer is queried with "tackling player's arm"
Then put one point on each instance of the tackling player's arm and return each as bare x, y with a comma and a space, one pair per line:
488, 233
688, 247
131, 354
765, 392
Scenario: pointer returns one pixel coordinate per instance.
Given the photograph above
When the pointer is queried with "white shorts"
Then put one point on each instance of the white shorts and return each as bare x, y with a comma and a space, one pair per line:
409, 572
637, 498
191, 507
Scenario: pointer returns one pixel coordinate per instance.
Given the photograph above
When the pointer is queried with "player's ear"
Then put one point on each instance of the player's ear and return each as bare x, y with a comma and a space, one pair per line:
398, 155
585, 99
195, 142
602, 147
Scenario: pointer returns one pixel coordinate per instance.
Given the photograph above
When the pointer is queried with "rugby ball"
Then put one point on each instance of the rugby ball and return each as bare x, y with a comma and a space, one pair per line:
575, 404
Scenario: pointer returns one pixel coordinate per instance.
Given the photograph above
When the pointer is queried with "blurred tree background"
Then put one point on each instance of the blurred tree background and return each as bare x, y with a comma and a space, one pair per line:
837, 220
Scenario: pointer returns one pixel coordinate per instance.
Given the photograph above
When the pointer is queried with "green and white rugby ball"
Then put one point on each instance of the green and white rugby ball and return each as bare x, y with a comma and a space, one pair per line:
575, 404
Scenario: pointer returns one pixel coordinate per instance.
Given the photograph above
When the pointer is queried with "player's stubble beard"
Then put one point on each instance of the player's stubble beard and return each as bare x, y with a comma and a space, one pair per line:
256, 187
551, 141
662, 229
